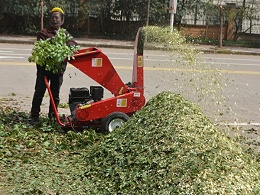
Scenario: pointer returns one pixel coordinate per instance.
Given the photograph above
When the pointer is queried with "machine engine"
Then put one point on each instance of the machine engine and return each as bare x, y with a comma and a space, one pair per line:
82, 96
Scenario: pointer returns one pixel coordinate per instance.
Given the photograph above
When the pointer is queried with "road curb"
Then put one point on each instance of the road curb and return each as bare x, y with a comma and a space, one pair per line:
230, 52
131, 46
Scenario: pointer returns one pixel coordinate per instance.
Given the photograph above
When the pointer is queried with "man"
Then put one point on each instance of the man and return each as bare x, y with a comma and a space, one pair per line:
55, 23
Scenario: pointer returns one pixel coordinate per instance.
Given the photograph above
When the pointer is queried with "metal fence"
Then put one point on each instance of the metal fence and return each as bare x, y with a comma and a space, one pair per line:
249, 24
254, 24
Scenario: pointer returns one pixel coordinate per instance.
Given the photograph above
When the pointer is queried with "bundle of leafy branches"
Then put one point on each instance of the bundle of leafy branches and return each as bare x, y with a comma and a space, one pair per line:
170, 147
50, 53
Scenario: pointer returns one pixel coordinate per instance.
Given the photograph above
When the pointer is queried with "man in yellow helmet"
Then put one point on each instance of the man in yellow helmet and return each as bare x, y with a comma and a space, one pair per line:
57, 9
55, 23
57, 18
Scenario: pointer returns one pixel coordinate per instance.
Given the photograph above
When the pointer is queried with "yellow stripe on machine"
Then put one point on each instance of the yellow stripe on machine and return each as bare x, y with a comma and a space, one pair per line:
121, 91
85, 107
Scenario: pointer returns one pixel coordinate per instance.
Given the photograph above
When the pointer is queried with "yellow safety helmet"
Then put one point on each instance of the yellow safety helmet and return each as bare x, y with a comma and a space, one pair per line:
57, 9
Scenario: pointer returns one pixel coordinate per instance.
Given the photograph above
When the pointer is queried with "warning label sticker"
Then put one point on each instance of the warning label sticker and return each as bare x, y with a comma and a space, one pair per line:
121, 102
137, 94
96, 62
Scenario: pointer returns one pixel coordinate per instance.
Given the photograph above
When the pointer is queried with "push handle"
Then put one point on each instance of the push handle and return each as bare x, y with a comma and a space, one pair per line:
52, 102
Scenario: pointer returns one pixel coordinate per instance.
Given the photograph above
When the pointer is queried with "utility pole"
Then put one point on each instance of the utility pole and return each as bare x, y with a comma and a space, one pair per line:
147, 19
220, 25
172, 11
148, 12
42, 3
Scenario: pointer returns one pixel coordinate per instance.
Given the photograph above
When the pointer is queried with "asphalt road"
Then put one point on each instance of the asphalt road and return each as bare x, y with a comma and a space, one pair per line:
231, 80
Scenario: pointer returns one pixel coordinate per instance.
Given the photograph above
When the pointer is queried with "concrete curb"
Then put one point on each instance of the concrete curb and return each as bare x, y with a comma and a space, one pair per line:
81, 43
230, 51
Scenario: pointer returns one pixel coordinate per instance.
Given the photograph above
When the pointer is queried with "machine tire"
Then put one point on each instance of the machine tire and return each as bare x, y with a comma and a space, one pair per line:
113, 121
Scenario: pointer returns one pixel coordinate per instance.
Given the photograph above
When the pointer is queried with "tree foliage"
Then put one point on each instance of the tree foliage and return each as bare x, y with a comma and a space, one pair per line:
24, 15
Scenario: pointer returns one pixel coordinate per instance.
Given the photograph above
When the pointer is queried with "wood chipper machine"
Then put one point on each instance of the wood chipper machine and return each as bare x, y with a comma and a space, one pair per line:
87, 106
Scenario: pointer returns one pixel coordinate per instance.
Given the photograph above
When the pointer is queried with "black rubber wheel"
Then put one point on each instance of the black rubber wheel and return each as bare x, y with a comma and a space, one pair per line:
113, 121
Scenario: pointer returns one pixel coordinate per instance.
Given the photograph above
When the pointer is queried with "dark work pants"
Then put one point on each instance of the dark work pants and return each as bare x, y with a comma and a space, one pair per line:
55, 81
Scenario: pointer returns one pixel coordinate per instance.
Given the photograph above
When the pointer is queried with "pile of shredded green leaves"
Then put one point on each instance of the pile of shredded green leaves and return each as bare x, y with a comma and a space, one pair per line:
168, 147
50, 53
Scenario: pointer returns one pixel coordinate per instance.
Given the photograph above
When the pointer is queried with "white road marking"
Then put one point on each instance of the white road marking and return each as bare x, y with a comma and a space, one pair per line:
233, 59
10, 57
6, 51
20, 49
241, 124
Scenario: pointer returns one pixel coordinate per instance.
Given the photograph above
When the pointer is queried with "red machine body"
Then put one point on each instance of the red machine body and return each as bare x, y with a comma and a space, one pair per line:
127, 98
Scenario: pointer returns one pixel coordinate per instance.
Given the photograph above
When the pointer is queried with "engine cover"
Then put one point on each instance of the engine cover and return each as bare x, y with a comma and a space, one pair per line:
78, 96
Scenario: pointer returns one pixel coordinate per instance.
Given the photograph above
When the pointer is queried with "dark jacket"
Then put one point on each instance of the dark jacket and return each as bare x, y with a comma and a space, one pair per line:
48, 33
